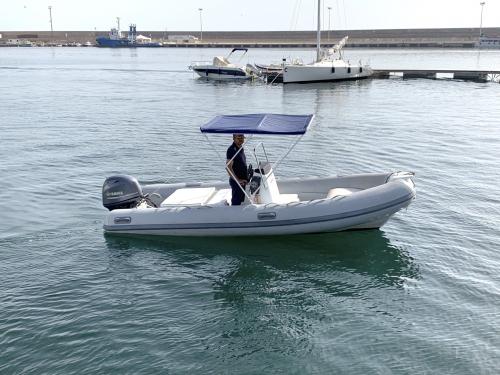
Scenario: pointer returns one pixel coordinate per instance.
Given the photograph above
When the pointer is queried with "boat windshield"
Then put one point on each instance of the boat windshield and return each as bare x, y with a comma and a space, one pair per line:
244, 50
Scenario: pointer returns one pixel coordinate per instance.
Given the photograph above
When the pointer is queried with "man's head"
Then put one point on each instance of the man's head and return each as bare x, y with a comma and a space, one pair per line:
238, 139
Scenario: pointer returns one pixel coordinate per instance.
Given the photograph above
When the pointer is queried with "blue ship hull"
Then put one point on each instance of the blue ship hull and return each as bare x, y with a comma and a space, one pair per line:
122, 43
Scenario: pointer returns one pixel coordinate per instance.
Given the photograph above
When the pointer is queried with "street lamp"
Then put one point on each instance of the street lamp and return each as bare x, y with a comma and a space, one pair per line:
201, 25
329, 9
481, 24
51, 28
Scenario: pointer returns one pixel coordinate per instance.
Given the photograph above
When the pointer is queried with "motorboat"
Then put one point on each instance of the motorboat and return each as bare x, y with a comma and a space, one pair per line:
273, 73
329, 65
221, 68
272, 206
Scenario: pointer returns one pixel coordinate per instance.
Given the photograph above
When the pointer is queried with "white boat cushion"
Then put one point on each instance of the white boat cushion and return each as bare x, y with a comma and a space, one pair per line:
189, 197
221, 198
286, 198
341, 192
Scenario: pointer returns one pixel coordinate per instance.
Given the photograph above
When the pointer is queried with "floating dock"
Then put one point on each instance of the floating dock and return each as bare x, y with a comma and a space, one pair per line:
463, 75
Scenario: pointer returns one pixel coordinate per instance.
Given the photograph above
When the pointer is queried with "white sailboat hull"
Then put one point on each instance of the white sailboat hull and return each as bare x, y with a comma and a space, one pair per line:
325, 72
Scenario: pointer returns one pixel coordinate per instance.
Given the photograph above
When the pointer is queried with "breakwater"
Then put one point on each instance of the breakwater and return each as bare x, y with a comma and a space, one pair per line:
388, 38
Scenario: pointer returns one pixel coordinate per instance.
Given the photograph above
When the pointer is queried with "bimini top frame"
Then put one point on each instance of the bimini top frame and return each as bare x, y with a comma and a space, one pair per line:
244, 50
261, 123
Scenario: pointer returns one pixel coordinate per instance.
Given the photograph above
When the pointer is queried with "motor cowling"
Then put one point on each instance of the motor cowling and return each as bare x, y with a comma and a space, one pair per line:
121, 191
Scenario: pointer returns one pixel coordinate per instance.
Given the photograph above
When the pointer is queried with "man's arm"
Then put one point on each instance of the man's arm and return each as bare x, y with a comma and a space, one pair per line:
230, 171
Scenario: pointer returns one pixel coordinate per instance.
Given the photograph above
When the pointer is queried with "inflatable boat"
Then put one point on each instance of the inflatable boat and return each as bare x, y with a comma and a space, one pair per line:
271, 207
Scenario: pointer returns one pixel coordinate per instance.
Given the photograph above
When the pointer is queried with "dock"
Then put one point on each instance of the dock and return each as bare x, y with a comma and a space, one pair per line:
462, 75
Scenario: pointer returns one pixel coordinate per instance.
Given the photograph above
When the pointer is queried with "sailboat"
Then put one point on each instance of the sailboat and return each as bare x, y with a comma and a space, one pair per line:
329, 65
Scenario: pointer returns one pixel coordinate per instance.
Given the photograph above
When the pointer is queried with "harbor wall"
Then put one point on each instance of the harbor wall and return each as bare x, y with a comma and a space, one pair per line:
454, 37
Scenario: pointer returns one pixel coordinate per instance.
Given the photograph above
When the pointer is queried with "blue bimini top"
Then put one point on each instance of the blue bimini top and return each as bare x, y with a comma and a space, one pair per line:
259, 123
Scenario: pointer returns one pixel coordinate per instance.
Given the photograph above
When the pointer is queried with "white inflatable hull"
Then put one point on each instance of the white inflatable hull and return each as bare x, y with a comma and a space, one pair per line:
376, 198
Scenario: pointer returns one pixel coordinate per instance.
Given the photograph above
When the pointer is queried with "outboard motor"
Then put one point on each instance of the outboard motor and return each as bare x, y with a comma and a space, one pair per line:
121, 191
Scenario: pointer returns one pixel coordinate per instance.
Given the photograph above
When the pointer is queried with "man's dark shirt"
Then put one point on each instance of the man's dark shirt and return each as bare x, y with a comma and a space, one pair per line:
239, 162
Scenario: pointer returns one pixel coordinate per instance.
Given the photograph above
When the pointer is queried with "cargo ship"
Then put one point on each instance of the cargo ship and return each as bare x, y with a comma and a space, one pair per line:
132, 40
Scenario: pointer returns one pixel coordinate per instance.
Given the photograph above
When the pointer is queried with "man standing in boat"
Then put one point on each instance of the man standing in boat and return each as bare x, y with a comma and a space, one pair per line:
236, 166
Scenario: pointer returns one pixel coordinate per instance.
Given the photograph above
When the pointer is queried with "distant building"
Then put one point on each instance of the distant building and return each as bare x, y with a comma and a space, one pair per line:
182, 38
19, 42
142, 39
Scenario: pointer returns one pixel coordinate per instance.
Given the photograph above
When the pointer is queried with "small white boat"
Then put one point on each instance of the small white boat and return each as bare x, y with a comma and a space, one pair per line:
222, 68
488, 42
271, 206
329, 65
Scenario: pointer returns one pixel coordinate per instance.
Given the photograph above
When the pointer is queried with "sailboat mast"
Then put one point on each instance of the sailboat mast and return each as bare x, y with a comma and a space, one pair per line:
318, 36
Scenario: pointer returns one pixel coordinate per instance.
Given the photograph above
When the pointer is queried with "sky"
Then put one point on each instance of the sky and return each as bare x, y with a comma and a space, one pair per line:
248, 15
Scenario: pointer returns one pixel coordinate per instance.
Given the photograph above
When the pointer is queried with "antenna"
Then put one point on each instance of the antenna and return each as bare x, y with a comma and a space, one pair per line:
201, 25
318, 36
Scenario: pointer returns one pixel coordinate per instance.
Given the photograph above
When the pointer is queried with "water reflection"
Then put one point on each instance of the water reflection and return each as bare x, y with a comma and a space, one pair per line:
224, 84
254, 296
327, 86
325, 98
336, 263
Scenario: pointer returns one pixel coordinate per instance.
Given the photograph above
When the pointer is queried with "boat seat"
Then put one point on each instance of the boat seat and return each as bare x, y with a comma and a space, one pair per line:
344, 192
189, 197
286, 198
221, 198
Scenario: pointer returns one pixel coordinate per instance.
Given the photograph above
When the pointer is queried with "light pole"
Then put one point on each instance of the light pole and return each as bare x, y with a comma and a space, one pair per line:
201, 25
51, 28
329, 9
481, 24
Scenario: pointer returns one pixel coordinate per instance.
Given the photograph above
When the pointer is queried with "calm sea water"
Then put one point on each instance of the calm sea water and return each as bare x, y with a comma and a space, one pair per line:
420, 296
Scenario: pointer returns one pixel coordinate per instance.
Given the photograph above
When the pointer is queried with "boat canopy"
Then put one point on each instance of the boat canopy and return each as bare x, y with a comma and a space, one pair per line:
259, 123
